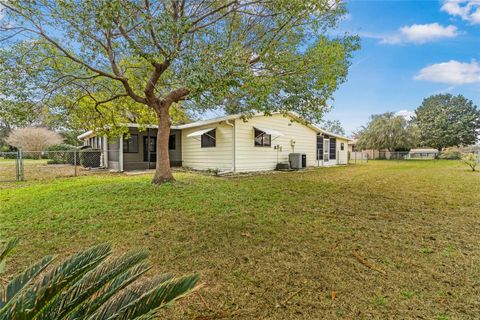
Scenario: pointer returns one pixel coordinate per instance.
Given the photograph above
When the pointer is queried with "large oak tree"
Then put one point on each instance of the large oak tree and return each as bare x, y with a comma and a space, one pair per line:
445, 120
119, 56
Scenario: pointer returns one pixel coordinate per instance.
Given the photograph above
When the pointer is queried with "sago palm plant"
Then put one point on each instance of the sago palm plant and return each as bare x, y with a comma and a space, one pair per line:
89, 285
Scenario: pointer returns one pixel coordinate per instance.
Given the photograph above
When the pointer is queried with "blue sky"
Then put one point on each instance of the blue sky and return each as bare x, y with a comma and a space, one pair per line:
410, 50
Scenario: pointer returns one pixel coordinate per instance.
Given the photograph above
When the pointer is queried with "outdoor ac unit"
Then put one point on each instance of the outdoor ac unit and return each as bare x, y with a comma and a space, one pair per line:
295, 160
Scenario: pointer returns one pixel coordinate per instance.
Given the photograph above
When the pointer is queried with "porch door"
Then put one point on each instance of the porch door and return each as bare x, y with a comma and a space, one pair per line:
152, 146
326, 150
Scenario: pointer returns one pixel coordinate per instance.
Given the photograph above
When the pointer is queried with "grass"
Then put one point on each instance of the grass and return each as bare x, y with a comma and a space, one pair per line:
278, 246
39, 169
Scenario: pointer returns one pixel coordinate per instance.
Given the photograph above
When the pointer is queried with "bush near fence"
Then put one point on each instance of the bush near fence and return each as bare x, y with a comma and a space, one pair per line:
63, 154
450, 155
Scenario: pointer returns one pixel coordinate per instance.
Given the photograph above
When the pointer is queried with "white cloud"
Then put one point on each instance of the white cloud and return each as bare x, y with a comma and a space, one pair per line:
468, 10
421, 33
452, 72
408, 115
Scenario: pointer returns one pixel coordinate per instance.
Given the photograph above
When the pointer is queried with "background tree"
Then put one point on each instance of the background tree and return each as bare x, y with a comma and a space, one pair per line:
264, 56
33, 139
446, 121
387, 131
26, 113
333, 126
14, 114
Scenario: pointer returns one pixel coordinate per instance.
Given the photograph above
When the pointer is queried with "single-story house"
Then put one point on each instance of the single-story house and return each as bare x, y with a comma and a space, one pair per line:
352, 145
226, 144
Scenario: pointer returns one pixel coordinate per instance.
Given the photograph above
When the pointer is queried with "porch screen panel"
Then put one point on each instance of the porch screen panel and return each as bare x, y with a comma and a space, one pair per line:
319, 147
333, 148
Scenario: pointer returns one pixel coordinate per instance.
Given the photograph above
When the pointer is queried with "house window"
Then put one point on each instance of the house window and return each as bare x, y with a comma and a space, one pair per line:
171, 142
130, 145
342, 146
333, 148
262, 139
209, 139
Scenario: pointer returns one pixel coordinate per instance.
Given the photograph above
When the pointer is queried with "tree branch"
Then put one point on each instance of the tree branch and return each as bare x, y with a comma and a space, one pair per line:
175, 96
159, 69
115, 97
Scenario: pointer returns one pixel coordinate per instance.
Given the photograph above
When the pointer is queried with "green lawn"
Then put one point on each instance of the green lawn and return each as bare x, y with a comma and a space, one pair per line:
278, 246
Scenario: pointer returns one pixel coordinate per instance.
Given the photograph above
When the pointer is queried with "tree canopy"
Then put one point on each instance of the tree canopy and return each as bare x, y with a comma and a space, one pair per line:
111, 60
33, 139
333, 126
387, 131
445, 120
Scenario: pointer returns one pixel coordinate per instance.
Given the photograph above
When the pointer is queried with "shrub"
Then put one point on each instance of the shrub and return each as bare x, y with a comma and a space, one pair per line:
62, 154
10, 155
450, 154
61, 147
471, 160
90, 285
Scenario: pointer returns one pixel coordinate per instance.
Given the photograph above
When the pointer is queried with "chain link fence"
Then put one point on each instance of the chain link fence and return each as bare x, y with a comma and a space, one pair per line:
43, 165
10, 167
453, 154
357, 157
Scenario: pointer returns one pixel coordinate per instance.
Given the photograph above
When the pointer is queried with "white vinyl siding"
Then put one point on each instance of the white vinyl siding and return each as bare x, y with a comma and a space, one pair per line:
215, 158
252, 158
249, 157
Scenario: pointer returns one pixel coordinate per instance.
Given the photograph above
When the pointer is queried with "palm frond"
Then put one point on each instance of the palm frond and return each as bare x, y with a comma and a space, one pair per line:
31, 303
112, 288
157, 298
4, 252
148, 316
127, 296
15, 286
89, 285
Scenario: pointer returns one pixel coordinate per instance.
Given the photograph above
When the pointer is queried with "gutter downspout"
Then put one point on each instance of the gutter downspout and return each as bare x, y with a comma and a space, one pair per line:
148, 147
105, 151
120, 153
234, 160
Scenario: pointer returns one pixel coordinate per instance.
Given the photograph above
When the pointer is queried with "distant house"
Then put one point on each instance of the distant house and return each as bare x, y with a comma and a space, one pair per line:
427, 153
352, 145
226, 144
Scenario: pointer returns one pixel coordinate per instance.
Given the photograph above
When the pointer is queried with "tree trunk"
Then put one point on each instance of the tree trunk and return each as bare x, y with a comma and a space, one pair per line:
162, 168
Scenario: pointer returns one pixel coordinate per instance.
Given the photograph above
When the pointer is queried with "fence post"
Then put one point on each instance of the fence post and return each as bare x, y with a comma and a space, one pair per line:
17, 166
75, 161
21, 175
